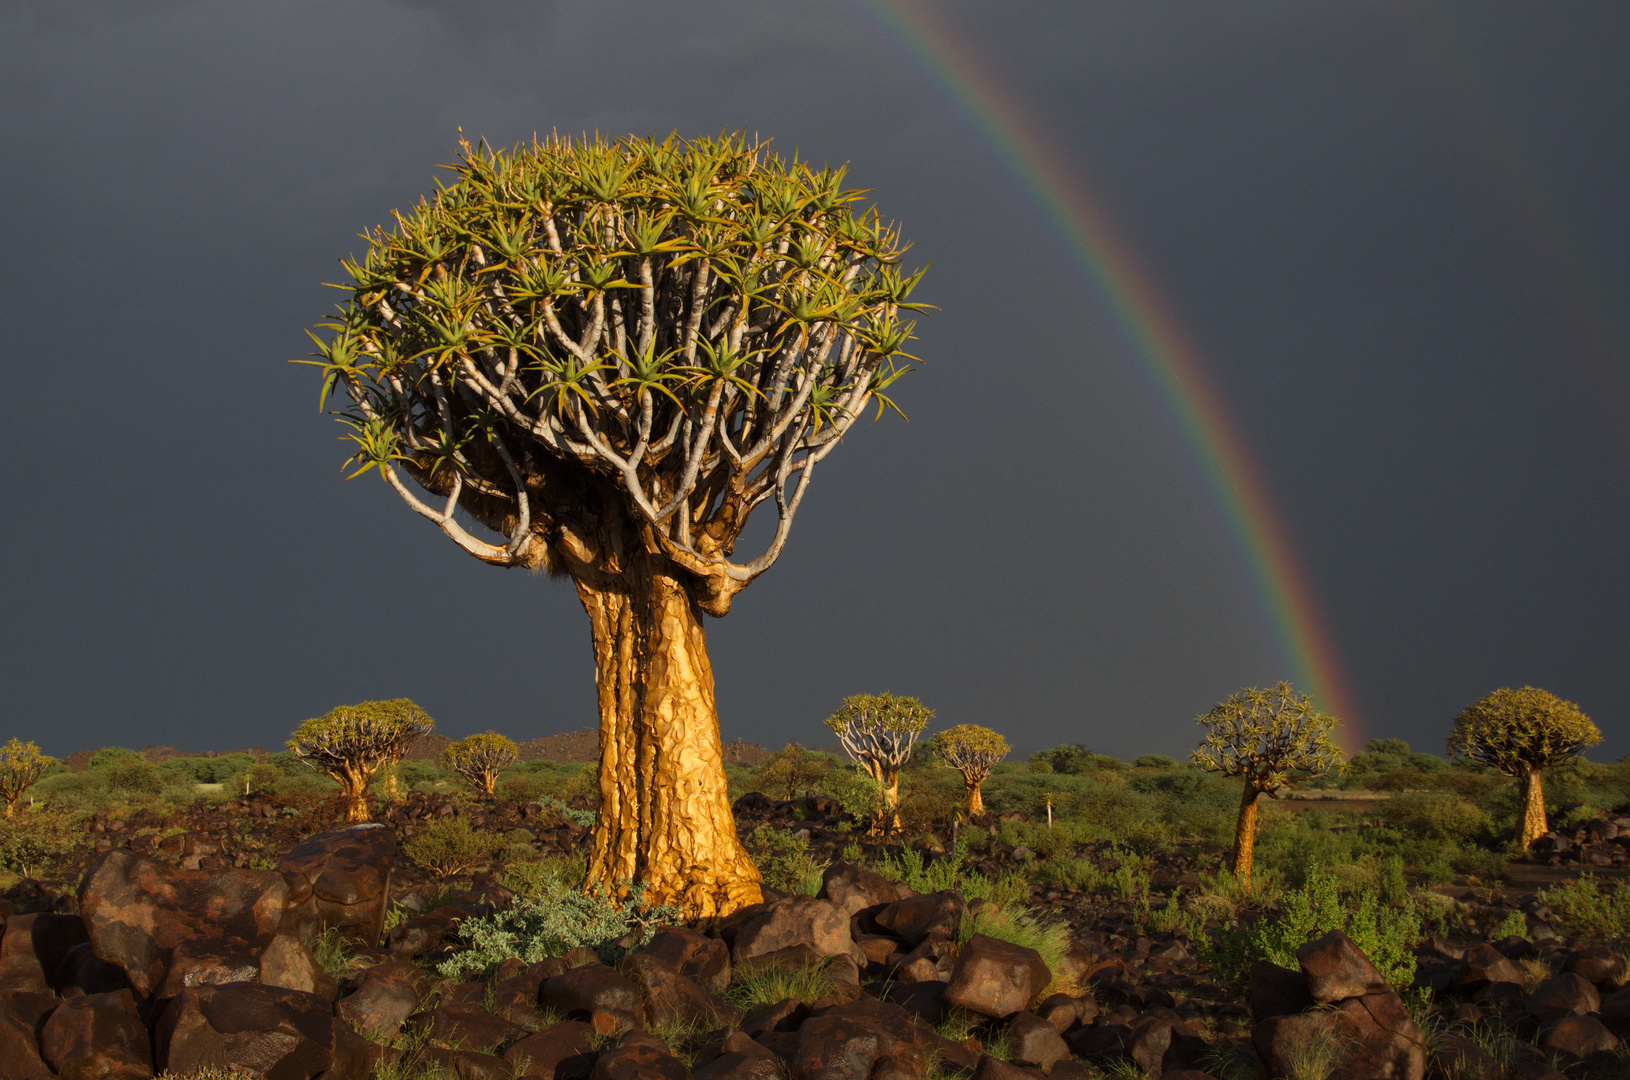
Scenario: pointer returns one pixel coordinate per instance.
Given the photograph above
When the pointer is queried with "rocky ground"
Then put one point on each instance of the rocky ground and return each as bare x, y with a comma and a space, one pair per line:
181, 945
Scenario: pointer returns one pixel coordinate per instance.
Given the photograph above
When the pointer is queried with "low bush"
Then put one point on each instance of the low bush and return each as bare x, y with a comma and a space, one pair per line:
32, 839
1590, 908
555, 920
133, 775
768, 984
449, 846
784, 861
1435, 817
909, 868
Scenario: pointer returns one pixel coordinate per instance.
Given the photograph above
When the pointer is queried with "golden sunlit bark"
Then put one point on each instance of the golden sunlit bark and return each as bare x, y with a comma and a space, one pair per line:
1531, 824
1245, 835
354, 784
976, 798
664, 815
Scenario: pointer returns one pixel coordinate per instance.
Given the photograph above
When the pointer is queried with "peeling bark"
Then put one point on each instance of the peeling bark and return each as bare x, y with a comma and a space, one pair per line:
1245, 834
665, 815
1531, 824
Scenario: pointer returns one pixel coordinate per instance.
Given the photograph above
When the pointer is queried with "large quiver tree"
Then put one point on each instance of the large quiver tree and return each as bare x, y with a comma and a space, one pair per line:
972, 751
1520, 732
353, 742
1263, 736
608, 354
877, 731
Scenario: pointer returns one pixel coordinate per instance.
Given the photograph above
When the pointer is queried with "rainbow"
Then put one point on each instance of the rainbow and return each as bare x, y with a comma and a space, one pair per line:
1077, 218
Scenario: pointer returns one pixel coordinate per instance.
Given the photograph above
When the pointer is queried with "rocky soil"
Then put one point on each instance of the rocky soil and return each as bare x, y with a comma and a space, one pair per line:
189, 950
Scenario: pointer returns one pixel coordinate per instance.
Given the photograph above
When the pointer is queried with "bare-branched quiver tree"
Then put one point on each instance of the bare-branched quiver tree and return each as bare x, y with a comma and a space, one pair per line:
1262, 737
480, 758
973, 751
608, 355
353, 742
21, 764
1520, 732
877, 731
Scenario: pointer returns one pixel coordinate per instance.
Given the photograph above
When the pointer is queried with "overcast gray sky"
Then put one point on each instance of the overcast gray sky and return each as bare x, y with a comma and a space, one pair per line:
1395, 233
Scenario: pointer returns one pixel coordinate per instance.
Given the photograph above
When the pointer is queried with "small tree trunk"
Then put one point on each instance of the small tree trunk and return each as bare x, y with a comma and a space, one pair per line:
976, 798
1245, 834
664, 816
1531, 824
355, 785
489, 782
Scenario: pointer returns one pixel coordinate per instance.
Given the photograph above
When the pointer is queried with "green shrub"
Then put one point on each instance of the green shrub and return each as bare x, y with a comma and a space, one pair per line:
448, 846
108, 755
1386, 935
1392, 889
31, 839
559, 918
533, 880
583, 819
945, 873
133, 775
784, 861
1435, 817
1591, 909
1155, 761
1002, 890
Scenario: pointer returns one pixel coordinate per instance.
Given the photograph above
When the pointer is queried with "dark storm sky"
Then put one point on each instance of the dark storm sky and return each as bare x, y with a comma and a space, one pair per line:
1397, 233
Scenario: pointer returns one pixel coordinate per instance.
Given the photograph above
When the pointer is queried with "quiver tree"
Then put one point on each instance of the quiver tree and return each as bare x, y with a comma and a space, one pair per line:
877, 732
480, 758
1520, 732
1262, 737
353, 742
21, 764
973, 751
608, 355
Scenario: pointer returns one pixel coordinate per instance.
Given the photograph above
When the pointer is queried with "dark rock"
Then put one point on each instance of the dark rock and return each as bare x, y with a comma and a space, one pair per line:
996, 978
467, 1064
342, 879
596, 993
1335, 969
853, 887
1484, 964
286, 962
794, 958
1568, 994
1596, 964
639, 1057
846, 1041
923, 999
34, 948
1276, 991
388, 995
81, 972
268, 1031
562, 1051
1035, 1041
1616, 1012
138, 912
98, 1037
990, 1068
1149, 1039
1578, 1036
796, 920
695, 956
1372, 1037
671, 998
468, 1027
916, 917
18, 1049
354, 1057
424, 934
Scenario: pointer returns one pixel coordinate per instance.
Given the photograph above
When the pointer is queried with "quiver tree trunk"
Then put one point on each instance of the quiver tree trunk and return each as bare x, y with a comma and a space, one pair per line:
1245, 834
976, 796
1531, 824
354, 792
665, 816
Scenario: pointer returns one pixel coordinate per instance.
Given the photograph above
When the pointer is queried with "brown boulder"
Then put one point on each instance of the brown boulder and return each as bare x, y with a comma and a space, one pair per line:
342, 879
590, 990
460, 1026
1616, 1012
1578, 1036
795, 920
82, 973
639, 1056
138, 912
266, 1031
846, 1042
1035, 1041
695, 956
563, 1051
18, 1048
1335, 969
990, 1068
34, 948
354, 1057
1596, 964
852, 888
1276, 991
916, 917
1568, 994
1484, 964
466, 1064
996, 978
1366, 1038
98, 1037
287, 963
671, 998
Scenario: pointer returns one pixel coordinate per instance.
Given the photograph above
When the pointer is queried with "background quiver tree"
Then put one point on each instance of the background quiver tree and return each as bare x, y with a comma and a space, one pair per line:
790, 771
973, 751
352, 742
21, 764
1520, 732
480, 758
877, 732
1262, 737
610, 354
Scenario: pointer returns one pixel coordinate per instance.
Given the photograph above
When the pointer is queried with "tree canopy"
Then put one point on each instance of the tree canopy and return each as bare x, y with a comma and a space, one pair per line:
1515, 731
351, 742
1265, 735
21, 764
480, 758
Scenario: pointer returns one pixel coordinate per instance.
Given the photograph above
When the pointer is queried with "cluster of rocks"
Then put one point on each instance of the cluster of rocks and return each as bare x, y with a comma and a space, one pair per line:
1603, 842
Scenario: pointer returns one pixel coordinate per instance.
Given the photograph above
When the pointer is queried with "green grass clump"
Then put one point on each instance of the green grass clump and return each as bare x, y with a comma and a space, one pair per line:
1048, 938
1591, 909
804, 981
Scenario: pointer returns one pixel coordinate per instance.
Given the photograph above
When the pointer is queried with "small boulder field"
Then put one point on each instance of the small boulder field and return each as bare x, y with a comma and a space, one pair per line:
328, 963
